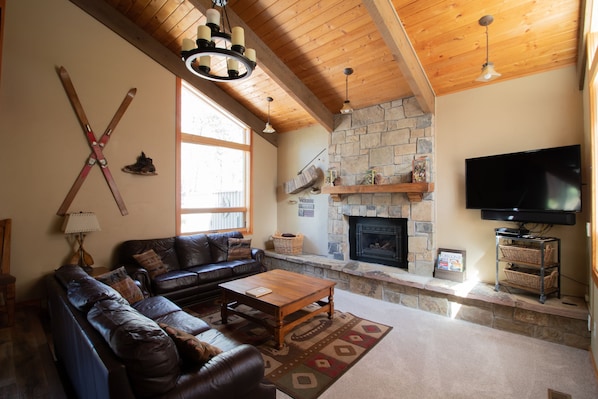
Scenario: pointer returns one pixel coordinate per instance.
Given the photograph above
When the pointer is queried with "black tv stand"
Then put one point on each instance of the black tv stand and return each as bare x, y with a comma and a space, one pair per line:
512, 232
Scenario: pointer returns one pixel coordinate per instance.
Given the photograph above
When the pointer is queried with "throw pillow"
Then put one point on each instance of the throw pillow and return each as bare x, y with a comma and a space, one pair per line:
121, 282
239, 248
151, 262
190, 348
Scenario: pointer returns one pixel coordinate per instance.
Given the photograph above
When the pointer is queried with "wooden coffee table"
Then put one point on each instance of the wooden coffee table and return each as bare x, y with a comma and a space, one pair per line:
291, 292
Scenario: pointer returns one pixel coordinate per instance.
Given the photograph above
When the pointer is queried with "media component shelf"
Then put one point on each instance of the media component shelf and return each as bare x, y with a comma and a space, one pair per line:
529, 263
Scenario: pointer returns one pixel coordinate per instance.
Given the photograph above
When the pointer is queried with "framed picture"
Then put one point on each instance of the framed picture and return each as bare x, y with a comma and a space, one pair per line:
420, 170
451, 260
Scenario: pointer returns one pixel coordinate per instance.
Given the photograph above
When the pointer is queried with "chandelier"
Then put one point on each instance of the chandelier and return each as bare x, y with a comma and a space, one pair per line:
216, 54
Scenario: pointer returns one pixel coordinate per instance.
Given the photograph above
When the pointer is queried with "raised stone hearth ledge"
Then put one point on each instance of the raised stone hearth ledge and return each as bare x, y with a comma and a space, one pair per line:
562, 321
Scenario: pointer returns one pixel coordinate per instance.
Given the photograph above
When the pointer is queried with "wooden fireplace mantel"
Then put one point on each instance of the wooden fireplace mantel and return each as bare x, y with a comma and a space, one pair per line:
415, 191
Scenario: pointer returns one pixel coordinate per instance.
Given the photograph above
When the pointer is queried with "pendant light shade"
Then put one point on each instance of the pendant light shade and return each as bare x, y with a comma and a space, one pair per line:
488, 71
347, 109
269, 128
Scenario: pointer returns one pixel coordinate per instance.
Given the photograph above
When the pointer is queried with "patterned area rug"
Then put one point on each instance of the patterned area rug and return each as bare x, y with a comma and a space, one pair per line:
315, 353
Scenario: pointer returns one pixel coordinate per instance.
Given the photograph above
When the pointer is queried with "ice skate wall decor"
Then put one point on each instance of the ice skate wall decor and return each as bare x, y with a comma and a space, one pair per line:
144, 166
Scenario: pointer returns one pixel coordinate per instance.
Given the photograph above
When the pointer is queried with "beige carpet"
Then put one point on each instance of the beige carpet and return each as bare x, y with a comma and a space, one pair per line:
426, 356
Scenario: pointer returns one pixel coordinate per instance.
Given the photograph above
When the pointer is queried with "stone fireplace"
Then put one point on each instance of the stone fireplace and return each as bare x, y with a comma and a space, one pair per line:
385, 138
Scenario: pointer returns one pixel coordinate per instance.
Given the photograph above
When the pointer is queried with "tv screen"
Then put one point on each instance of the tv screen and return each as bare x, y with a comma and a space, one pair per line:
535, 184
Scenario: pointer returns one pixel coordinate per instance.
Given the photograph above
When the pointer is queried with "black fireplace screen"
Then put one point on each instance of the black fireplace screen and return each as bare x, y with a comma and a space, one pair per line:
378, 240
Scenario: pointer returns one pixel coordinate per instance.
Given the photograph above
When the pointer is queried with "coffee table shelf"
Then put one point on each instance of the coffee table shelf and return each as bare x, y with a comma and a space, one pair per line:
291, 294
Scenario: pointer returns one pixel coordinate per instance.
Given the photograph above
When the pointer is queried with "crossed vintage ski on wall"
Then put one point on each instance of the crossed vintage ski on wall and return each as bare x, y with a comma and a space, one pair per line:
97, 146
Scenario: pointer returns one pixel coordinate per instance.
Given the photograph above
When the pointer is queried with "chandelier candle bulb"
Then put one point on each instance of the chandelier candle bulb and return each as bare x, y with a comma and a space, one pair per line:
204, 32
250, 53
233, 65
213, 17
205, 61
238, 36
188, 44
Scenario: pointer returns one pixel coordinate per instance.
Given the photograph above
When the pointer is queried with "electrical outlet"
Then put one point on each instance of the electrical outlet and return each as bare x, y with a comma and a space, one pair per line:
588, 229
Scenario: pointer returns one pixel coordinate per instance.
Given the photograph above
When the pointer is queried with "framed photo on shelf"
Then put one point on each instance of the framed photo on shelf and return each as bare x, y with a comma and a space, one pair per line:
420, 170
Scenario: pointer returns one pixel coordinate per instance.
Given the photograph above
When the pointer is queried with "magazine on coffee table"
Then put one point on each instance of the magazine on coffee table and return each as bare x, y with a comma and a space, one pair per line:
257, 292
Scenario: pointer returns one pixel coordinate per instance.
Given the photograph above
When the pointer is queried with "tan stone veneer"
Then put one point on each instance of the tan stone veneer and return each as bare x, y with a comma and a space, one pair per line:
387, 138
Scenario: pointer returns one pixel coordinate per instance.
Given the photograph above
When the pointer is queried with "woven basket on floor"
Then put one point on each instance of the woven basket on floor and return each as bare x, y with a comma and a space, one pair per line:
288, 245
531, 280
518, 253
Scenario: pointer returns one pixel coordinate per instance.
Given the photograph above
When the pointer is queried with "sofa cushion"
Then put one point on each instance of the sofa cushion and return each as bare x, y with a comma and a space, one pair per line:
219, 244
164, 247
190, 349
174, 280
121, 282
67, 273
149, 355
193, 250
239, 248
245, 266
151, 262
156, 306
212, 272
85, 292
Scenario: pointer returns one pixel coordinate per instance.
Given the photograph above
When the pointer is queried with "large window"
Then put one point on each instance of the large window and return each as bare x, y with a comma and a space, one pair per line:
214, 167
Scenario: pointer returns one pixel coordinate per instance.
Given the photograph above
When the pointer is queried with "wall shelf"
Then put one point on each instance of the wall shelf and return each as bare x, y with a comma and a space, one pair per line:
415, 191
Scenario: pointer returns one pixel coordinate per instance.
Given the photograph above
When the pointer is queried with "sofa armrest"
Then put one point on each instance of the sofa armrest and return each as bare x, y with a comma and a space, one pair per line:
236, 373
141, 278
258, 255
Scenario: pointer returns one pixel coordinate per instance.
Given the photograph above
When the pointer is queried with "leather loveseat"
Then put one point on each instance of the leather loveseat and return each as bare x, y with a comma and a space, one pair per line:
193, 265
109, 348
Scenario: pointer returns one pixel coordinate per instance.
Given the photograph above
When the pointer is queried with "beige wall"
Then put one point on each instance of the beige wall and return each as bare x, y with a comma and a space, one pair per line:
295, 151
543, 110
42, 146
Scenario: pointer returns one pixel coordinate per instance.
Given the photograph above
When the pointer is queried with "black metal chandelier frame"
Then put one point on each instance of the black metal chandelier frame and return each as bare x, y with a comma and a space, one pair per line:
209, 48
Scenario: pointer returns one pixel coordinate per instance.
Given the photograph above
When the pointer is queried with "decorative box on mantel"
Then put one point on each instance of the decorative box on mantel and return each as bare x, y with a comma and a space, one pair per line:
415, 191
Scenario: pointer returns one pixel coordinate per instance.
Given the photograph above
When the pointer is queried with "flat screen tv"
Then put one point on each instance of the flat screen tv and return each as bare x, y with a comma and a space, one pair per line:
539, 186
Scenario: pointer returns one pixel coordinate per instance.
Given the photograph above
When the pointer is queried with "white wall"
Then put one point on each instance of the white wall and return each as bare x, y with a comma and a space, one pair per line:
295, 151
539, 111
42, 146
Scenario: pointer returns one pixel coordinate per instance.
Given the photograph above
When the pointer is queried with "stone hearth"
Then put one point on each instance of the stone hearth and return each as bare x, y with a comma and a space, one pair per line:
562, 321
385, 138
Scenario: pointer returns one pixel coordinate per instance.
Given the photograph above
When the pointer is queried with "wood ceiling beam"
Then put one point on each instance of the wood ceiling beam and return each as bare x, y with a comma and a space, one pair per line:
122, 26
278, 71
391, 28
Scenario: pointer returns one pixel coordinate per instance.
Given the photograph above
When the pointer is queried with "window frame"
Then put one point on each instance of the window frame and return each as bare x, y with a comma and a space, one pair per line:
182, 137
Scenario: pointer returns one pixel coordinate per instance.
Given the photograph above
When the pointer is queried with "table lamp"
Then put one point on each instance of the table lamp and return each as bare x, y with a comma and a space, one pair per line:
79, 224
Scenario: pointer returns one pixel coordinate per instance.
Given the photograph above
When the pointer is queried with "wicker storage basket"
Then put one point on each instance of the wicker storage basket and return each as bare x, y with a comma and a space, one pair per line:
518, 253
531, 280
288, 245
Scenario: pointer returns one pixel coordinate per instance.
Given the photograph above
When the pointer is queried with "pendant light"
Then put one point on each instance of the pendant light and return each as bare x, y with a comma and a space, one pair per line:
347, 109
488, 71
217, 50
269, 128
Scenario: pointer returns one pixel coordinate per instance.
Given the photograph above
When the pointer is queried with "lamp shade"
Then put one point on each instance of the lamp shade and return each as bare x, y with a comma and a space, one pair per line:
268, 128
82, 222
346, 109
488, 73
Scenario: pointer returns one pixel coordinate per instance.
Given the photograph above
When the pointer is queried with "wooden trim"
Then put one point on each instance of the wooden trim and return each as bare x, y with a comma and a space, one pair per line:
177, 151
391, 28
2, 13
415, 191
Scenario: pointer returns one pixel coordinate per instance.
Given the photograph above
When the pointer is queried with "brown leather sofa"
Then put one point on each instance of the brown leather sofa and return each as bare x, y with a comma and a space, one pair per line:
196, 264
109, 348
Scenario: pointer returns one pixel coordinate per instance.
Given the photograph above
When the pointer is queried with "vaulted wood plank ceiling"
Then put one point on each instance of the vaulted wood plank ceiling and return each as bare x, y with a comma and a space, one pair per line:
397, 48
